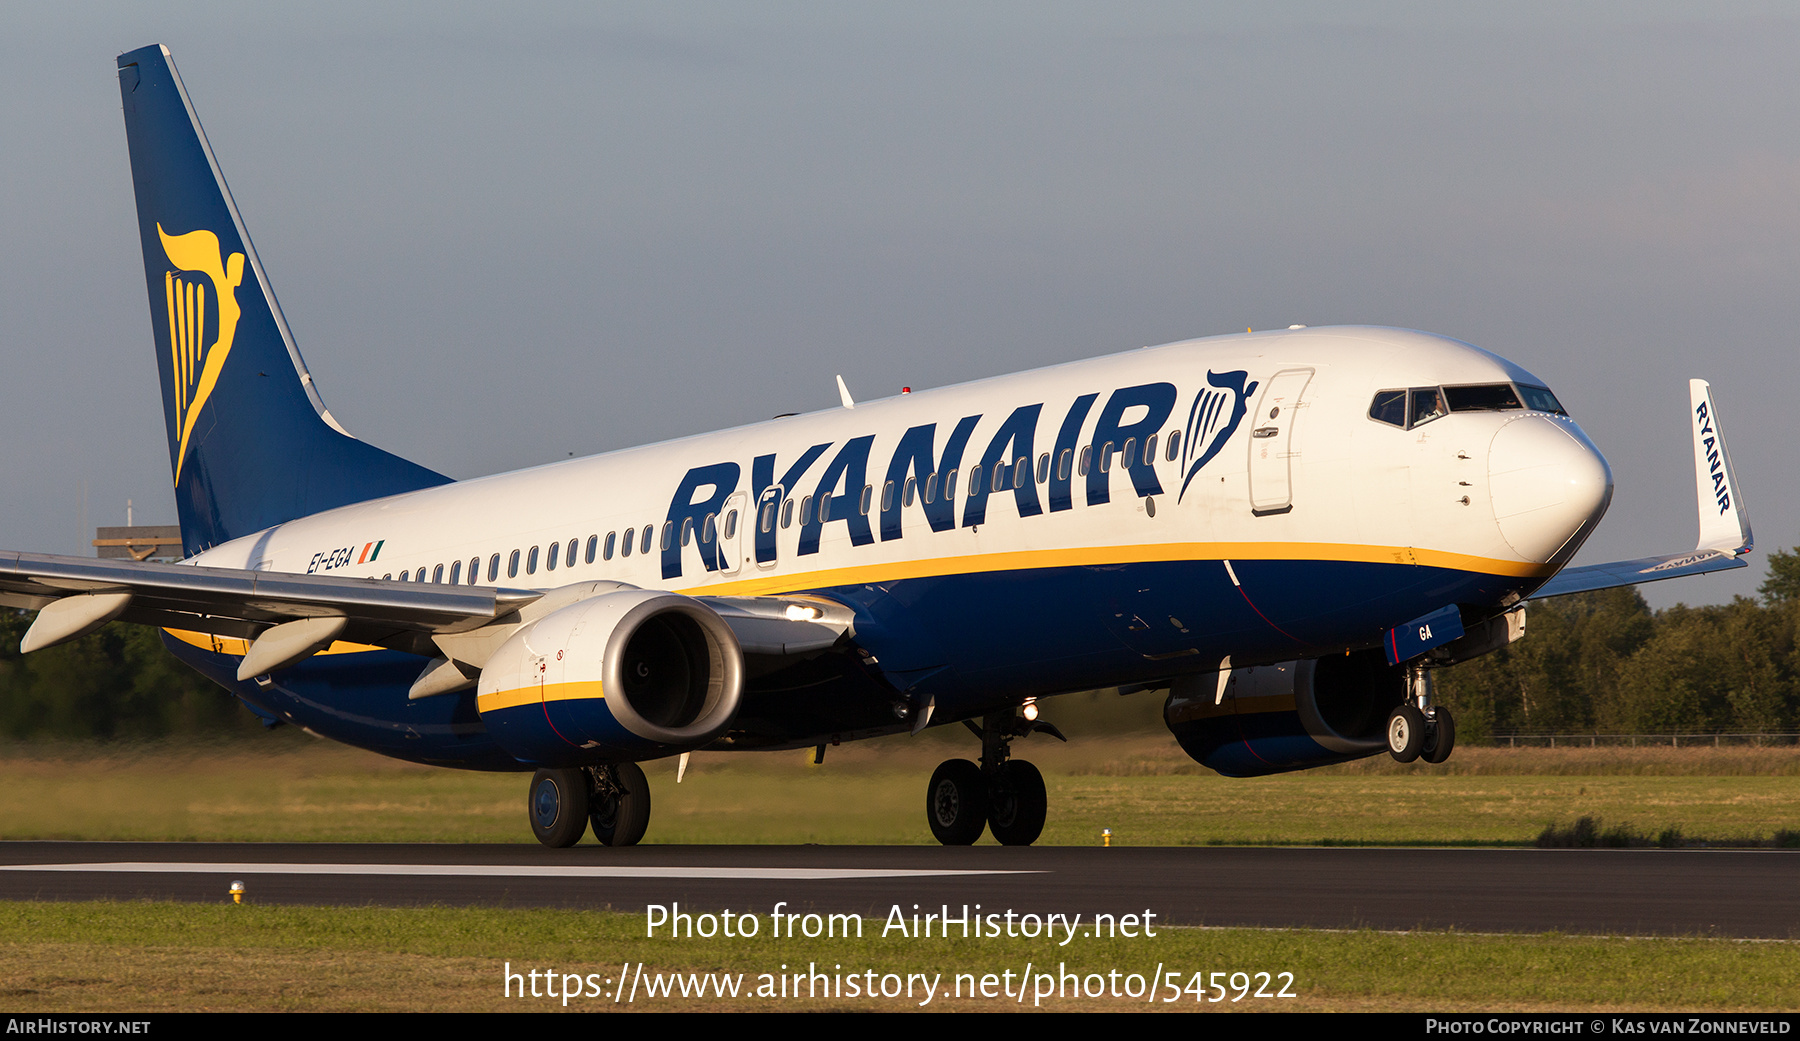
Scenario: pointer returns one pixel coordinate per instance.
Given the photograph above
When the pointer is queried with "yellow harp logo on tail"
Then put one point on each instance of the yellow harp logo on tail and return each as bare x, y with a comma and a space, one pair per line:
198, 261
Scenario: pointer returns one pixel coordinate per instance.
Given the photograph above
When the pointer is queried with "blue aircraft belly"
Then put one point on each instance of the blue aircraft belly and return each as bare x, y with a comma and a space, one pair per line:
973, 643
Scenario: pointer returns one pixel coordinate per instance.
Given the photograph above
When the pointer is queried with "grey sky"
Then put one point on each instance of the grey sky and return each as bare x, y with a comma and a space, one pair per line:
507, 235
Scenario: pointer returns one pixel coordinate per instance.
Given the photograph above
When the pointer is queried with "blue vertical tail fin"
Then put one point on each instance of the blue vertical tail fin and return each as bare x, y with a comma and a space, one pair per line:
250, 442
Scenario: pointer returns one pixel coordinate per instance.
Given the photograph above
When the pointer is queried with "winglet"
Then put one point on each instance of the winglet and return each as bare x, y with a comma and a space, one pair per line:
1724, 523
844, 394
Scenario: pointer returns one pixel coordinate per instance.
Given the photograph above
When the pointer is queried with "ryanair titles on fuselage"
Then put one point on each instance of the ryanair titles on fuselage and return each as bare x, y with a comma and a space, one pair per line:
927, 469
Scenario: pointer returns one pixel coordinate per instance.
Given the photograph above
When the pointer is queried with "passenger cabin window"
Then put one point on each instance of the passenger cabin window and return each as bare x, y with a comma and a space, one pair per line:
569, 560
494, 568
630, 540
1043, 468
474, 570
1174, 446
456, 572
512, 565
593, 547
612, 540
531, 561
421, 577
731, 524
644, 545
437, 575
552, 555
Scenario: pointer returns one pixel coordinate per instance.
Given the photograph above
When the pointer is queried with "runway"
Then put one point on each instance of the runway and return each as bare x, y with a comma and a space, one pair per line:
1737, 893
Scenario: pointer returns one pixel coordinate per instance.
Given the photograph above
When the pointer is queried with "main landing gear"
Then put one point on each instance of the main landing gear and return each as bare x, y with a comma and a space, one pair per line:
1417, 729
1002, 795
614, 799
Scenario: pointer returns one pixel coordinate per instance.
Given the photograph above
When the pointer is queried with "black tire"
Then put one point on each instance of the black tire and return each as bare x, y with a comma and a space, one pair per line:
558, 807
1442, 739
956, 802
1405, 733
1017, 804
620, 812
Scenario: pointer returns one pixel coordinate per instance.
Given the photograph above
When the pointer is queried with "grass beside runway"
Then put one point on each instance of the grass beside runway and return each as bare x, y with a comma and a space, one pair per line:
146, 957
289, 787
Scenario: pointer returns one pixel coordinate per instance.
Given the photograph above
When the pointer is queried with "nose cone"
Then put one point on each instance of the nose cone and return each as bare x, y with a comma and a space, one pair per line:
1549, 486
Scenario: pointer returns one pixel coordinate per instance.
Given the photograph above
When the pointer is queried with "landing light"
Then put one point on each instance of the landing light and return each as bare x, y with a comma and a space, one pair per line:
802, 613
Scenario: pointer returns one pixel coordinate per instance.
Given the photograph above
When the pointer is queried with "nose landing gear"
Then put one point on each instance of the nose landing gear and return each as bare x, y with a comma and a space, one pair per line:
1418, 729
1003, 795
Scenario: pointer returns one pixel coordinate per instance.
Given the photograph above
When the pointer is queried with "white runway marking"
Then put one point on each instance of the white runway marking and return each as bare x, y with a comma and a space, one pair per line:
173, 867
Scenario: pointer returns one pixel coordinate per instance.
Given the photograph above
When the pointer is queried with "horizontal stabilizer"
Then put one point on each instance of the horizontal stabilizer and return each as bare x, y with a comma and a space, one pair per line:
1725, 534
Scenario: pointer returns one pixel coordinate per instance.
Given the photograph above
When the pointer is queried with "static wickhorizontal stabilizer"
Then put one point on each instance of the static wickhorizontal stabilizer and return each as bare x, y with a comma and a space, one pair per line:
1725, 534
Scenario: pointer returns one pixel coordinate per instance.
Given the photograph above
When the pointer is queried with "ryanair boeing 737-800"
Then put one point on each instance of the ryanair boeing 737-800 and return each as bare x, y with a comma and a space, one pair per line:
1286, 530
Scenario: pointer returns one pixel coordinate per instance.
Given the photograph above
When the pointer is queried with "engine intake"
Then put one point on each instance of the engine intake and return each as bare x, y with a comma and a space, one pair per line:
1289, 716
626, 675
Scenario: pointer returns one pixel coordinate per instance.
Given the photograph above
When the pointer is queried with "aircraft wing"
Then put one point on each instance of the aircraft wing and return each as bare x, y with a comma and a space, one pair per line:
76, 595
1724, 525
287, 617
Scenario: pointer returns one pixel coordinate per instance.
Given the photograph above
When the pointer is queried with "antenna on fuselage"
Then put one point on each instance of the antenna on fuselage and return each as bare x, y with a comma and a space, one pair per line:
844, 394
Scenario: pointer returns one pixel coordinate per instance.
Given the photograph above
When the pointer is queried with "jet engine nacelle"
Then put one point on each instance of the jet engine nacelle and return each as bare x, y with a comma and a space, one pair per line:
628, 675
1289, 716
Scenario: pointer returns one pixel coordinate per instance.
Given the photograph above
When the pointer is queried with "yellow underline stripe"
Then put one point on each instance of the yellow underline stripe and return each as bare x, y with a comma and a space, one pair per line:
1016, 560
238, 648
577, 690
1022, 560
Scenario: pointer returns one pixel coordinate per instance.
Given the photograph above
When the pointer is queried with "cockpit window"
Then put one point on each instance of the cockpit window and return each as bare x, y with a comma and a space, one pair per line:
1389, 407
1539, 399
1427, 405
1482, 397
1409, 408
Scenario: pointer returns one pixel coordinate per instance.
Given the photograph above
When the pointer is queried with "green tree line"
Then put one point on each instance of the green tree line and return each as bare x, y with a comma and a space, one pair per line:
1605, 663
1589, 663
119, 683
